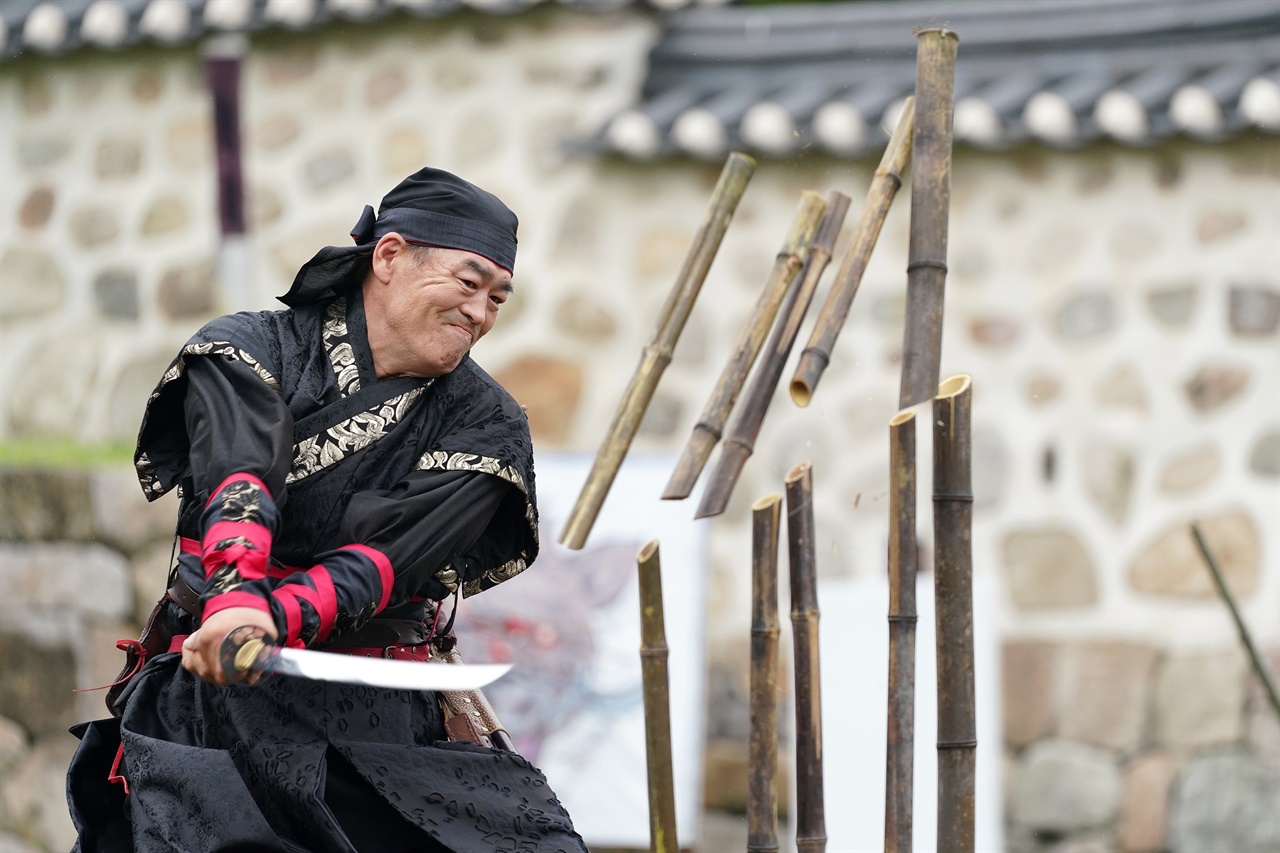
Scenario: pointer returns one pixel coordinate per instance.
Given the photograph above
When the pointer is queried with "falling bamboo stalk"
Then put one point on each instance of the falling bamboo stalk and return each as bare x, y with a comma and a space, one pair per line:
762, 755
884, 187
657, 703
953, 608
746, 426
930, 205
900, 743
1220, 582
811, 828
657, 354
710, 425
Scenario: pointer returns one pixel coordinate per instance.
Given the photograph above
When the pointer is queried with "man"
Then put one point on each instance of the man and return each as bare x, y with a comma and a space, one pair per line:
343, 466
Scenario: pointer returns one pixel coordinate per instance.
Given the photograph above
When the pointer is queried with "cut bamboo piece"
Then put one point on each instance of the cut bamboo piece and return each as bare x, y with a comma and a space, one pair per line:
762, 755
1259, 667
900, 741
953, 608
884, 187
657, 354
710, 424
657, 703
741, 442
930, 206
811, 825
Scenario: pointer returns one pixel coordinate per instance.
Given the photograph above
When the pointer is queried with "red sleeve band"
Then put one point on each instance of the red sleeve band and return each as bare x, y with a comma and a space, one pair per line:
250, 560
234, 599
239, 477
383, 564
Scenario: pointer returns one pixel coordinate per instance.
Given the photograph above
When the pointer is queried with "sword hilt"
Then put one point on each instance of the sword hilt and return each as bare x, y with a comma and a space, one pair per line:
240, 649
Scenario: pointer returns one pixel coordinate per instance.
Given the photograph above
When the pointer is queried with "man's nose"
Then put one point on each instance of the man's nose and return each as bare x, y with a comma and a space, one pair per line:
475, 307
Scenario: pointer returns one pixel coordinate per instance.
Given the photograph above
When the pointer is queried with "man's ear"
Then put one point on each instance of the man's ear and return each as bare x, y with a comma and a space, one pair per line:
384, 252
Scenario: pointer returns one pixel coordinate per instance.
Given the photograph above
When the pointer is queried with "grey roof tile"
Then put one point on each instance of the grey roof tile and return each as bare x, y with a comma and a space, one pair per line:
1057, 72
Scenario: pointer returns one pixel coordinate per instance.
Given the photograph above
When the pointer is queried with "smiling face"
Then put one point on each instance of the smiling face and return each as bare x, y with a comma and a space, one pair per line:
426, 307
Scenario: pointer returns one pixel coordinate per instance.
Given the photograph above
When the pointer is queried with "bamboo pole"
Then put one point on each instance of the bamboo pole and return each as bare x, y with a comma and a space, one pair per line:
1220, 582
811, 828
953, 606
762, 794
740, 444
657, 703
930, 204
657, 354
710, 425
900, 742
884, 187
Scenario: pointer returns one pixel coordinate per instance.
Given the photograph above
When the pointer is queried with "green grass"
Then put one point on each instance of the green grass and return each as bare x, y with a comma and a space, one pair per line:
62, 454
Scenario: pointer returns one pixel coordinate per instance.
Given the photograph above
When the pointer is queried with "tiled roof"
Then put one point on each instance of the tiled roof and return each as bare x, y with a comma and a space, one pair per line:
780, 80
49, 27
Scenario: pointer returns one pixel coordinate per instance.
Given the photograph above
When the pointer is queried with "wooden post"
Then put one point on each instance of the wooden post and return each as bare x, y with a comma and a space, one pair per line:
900, 740
657, 704
657, 354
930, 208
811, 826
953, 603
762, 762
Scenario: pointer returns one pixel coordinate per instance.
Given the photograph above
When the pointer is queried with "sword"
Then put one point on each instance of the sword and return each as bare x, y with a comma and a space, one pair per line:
247, 648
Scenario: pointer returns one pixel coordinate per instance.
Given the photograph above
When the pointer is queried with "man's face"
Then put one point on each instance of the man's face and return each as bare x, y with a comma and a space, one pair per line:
440, 302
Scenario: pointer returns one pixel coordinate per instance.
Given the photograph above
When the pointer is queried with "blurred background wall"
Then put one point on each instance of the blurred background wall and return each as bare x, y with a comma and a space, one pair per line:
1117, 303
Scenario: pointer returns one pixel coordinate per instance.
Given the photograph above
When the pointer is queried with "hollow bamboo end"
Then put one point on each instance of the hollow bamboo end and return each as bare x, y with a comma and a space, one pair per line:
766, 502
954, 386
938, 32
647, 552
798, 473
901, 418
801, 393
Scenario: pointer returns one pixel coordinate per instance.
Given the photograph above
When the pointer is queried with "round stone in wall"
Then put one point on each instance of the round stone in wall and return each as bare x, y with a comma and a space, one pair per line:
1086, 316
550, 389
36, 208
404, 152
1122, 388
384, 87
1214, 386
1172, 306
1108, 478
1190, 470
275, 132
1264, 458
1048, 567
33, 283
1042, 388
115, 292
1254, 311
1225, 801
329, 168
1216, 225
118, 158
187, 290
1172, 564
94, 225
165, 215
1065, 786
585, 318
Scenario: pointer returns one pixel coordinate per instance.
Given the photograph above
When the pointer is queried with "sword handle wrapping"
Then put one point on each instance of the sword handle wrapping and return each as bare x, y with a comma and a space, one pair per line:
240, 649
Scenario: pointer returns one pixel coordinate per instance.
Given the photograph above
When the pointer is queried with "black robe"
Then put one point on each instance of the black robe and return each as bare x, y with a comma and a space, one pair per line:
332, 500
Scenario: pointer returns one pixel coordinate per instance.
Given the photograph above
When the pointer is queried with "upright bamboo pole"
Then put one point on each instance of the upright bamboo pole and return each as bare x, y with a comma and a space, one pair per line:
884, 187
657, 703
953, 606
930, 206
710, 425
900, 742
811, 826
657, 354
762, 756
741, 442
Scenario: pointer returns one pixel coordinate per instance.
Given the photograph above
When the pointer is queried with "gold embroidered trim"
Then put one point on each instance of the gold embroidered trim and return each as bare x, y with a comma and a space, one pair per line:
341, 356
351, 436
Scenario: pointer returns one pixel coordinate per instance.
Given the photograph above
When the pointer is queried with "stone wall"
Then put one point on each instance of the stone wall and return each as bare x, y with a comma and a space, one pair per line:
1118, 309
